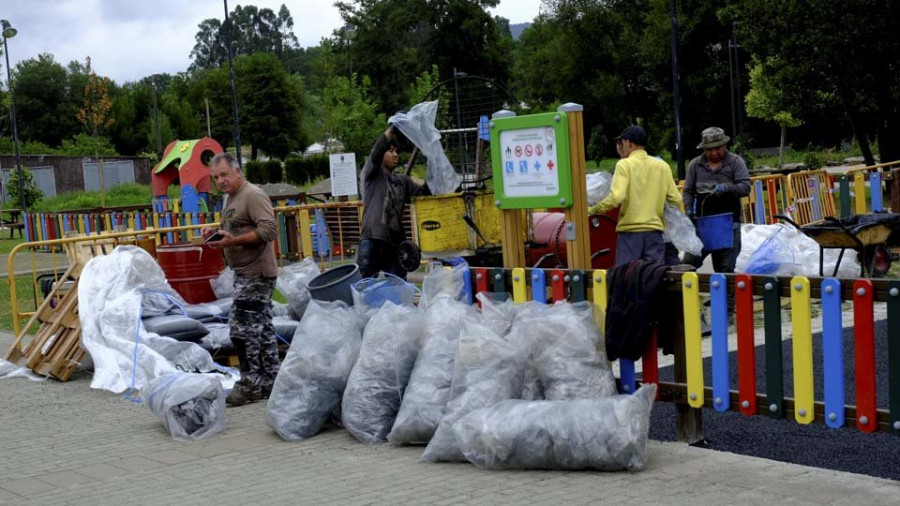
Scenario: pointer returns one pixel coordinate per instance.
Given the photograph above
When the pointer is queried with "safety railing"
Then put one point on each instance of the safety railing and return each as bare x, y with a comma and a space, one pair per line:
40, 227
810, 196
825, 404
768, 198
861, 190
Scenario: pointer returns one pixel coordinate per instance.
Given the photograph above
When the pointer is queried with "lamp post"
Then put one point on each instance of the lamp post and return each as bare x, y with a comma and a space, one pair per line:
9, 31
237, 124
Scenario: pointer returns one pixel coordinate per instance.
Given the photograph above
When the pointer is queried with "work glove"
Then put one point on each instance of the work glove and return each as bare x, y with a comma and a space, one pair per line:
721, 189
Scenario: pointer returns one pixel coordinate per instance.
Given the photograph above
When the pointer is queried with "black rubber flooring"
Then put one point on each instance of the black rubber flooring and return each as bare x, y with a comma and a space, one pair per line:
816, 445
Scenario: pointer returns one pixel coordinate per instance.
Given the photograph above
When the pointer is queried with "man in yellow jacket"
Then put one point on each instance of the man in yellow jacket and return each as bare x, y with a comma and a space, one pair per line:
641, 184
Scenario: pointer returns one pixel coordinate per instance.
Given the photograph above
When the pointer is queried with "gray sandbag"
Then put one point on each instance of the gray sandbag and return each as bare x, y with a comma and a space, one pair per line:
375, 388
429, 384
285, 328
606, 434
292, 282
564, 342
191, 406
176, 326
487, 370
314, 373
215, 311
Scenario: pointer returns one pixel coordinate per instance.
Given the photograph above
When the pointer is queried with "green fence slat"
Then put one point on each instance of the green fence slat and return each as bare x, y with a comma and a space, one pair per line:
844, 186
774, 367
577, 287
282, 236
893, 310
498, 280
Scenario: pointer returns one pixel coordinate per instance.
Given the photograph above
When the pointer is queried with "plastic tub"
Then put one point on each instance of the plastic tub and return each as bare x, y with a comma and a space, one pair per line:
716, 231
189, 269
374, 292
335, 284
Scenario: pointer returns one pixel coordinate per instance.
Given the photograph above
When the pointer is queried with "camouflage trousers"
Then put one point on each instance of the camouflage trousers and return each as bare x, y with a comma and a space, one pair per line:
252, 331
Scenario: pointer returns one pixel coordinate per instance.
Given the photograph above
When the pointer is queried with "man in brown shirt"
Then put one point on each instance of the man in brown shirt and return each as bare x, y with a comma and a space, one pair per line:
248, 230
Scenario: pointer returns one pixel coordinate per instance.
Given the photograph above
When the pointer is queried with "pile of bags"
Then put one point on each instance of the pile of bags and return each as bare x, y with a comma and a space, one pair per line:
509, 386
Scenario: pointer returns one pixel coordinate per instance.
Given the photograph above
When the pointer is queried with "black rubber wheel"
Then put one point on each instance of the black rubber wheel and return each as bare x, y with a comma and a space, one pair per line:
877, 260
409, 255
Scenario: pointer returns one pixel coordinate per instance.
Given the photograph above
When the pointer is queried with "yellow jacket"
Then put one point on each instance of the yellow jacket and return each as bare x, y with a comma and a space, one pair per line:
641, 185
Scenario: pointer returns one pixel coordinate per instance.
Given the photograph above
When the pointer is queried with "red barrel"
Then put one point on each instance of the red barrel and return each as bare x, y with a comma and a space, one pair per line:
550, 239
189, 269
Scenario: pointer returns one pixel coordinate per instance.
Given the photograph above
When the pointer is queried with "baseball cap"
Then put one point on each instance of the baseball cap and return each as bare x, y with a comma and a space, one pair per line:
634, 134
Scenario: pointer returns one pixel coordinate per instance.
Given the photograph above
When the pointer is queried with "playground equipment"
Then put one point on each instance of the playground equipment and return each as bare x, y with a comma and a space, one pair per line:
187, 163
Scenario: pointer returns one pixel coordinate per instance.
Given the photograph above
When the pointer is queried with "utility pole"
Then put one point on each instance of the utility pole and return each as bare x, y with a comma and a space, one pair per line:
679, 149
159, 149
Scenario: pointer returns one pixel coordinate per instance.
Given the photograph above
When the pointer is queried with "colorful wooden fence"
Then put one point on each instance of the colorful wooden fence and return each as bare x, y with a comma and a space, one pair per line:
828, 407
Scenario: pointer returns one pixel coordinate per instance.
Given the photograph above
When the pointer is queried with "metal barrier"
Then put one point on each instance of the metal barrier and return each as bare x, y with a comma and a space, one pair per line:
50, 260
768, 197
689, 392
810, 196
40, 227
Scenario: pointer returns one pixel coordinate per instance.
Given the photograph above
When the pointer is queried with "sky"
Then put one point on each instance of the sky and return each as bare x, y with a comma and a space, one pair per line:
131, 39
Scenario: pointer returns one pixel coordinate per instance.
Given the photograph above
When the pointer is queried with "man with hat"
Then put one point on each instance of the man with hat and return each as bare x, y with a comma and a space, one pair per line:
641, 184
715, 183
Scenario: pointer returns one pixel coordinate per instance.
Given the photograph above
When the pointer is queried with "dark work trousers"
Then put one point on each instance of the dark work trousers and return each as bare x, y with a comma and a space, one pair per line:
639, 245
375, 255
252, 332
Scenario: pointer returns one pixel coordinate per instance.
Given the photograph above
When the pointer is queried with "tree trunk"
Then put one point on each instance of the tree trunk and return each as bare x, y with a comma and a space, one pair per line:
781, 147
857, 125
254, 151
888, 123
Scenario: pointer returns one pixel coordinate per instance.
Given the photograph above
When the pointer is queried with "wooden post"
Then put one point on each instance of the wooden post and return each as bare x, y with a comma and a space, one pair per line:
578, 250
895, 190
689, 424
514, 238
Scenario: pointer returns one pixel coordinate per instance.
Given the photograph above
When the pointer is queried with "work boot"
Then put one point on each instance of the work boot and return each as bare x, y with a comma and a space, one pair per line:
266, 390
242, 393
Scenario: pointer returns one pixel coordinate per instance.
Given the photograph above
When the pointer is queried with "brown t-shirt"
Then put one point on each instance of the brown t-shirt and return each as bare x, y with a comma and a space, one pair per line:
250, 209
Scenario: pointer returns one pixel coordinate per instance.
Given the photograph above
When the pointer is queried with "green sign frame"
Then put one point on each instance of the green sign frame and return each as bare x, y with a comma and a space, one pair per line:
531, 161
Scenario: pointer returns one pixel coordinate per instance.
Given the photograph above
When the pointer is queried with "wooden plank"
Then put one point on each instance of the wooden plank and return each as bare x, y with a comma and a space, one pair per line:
864, 355
893, 310
802, 350
719, 322
833, 353
690, 288
746, 345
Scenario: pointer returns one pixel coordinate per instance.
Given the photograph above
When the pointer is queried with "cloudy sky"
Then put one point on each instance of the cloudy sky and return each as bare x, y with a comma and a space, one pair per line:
130, 39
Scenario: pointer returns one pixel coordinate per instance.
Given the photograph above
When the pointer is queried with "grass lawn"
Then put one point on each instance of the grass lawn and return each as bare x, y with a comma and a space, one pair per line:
7, 244
25, 295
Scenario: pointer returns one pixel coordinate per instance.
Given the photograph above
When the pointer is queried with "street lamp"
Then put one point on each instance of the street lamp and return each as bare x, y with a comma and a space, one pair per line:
9, 31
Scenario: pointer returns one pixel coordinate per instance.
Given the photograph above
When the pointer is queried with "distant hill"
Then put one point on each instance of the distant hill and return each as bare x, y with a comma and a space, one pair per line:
517, 29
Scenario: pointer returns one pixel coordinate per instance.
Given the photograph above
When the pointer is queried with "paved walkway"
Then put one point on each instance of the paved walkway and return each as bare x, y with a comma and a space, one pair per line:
63, 443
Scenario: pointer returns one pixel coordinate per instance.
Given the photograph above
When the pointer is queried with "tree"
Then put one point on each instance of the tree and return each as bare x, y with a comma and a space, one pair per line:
766, 100
45, 109
94, 115
33, 193
858, 67
350, 114
253, 30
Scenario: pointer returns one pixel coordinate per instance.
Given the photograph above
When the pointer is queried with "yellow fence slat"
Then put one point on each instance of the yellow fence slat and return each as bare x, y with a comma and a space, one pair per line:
520, 293
305, 234
859, 188
804, 407
600, 298
690, 287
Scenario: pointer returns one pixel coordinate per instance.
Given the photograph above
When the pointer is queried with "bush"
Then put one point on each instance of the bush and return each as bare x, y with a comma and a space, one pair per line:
274, 170
255, 172
33, 194
301, 170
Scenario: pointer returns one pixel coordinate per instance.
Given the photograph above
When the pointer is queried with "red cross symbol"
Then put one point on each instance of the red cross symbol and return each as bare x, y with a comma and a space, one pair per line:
550, 165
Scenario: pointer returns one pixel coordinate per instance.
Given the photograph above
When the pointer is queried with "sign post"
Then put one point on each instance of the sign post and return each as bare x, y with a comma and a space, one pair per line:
538, 162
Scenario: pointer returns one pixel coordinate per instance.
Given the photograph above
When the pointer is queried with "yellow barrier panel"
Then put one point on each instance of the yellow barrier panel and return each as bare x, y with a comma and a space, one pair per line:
804, 403
859, 188
690, 288
600, 298
809, 196
520, 293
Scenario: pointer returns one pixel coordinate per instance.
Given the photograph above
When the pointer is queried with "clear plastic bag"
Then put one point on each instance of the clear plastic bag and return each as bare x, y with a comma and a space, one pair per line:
680, 230
607, 434
429, 384
190, 406
488, 369
498, 311
223, 285
375, 387
443, 281
371, 293
774, 257
565, 346
598, 186
292, 282
418, 126
314, 373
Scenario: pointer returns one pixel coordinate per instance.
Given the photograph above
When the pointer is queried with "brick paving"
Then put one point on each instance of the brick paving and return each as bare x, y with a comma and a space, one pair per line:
63, 443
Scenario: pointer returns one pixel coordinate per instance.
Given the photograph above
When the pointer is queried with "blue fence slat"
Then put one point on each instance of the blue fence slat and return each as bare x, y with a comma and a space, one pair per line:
467, 286
760, 204
626, 375
875, 186
814, 195
539, 286
833, 353
718, 290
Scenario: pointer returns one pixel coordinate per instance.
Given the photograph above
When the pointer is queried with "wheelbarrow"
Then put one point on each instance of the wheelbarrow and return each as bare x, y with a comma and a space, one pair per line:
867, 234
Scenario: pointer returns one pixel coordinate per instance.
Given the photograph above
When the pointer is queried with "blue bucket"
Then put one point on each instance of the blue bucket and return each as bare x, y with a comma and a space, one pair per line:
716, 231
374, 292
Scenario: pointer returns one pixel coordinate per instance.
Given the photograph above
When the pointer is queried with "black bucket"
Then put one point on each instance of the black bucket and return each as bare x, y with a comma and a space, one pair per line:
335, 284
